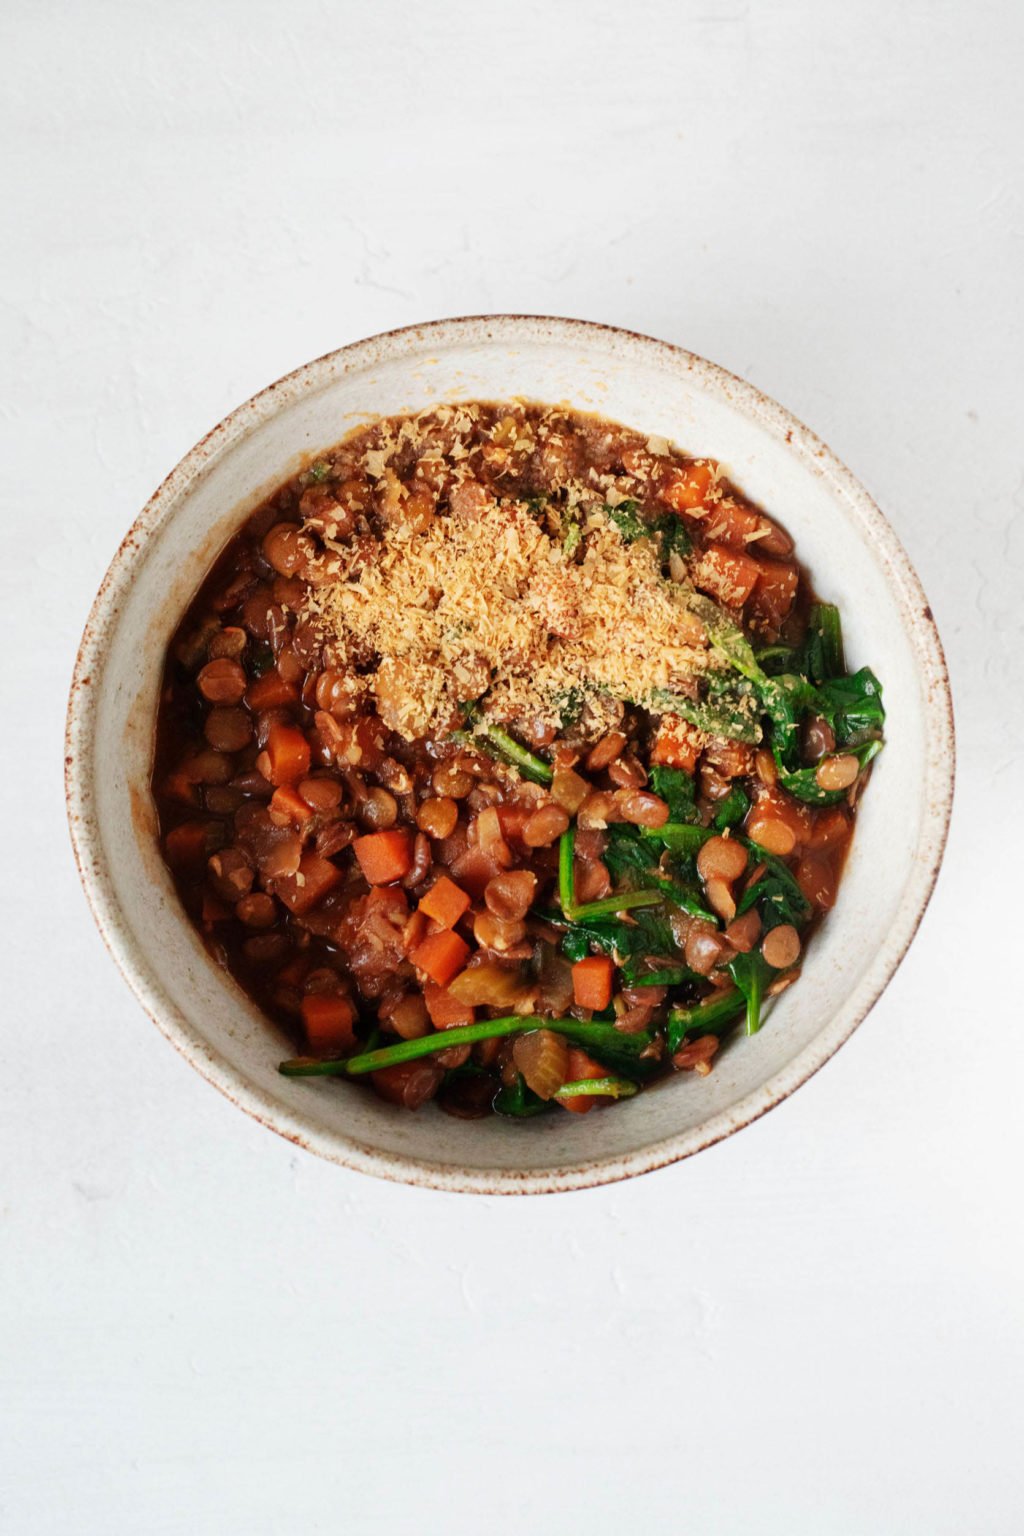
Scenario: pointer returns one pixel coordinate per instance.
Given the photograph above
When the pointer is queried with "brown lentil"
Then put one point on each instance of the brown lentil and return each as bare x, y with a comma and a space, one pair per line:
438, 817
836, 773
781, 947
545, 826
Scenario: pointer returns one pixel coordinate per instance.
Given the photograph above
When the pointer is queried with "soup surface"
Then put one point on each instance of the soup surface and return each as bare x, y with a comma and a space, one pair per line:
506, 758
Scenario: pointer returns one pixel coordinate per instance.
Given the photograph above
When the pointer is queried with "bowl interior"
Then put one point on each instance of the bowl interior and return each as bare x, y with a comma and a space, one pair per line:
854, 560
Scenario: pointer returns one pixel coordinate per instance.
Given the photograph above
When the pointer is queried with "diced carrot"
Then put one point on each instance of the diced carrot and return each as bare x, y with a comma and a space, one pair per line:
288, 751
384, 856
186, 846
287, 805
441, 956
775, 591
726, 575
445, 902
677, 744
315, 879
737, 525
271, 692
446, 1011
581, 1067
687, 487
592, 982
329, 1020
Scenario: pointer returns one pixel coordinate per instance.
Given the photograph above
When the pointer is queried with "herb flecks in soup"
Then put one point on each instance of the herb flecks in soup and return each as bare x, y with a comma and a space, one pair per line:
506, 758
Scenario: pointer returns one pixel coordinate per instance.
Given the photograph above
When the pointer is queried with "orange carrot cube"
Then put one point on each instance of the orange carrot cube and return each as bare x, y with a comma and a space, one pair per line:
315, 879
287, 805
775, 591
329, 1020
288, 753
580, 1068
441, 956
384, 856
726, 575
592, 982
446, 1011
687, 487
445, 902
677, 744
271, 692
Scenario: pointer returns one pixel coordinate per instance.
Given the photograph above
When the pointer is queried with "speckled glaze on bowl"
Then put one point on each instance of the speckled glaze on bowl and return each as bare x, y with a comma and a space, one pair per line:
856, 560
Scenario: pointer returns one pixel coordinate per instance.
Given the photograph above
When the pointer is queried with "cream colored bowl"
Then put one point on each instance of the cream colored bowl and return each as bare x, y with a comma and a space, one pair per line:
855, 560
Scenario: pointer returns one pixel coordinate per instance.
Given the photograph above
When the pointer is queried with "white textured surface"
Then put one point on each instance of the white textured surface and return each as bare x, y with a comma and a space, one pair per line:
814, 1326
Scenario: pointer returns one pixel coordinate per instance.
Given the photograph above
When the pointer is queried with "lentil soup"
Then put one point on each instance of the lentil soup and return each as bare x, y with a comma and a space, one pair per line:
507, 759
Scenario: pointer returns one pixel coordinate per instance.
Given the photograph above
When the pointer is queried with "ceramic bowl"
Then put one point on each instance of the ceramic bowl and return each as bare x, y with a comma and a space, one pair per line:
856, 561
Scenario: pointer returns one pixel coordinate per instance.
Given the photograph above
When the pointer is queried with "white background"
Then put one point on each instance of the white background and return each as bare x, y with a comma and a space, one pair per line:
813, 1327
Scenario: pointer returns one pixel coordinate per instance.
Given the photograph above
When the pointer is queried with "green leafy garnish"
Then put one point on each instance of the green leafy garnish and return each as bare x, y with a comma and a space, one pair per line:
567, 873
773, 659
648, 933
751, 973
625, 901
823, 646
570, 706
626, 520
608, 906
712, 1017
628, 858
498, 743
803, 784
623, 1053
261, 659
677, 789
635, 860
668, 529
732, 809
852, 706
603, 1087
776, 894
721, 715
681, 837
673, 537
668, 976
686, 897
517, 1100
